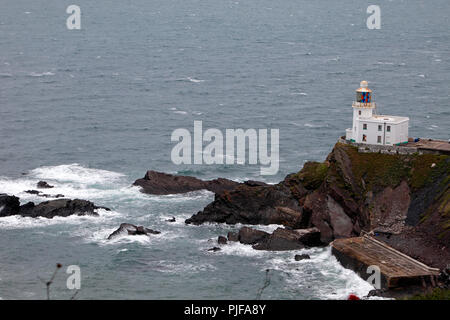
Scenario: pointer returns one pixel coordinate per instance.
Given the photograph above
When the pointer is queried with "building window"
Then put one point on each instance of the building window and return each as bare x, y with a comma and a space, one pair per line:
364, 137
388, 129
359, 112
379, 139
380, 127
364, 126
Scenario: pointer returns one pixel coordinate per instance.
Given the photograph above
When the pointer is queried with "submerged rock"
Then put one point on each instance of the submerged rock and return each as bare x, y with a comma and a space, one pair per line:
233, 236
40, 194
171, 219
131, 229
222, 240
44, 185
162, 183
214, 249
33, 192
299, 257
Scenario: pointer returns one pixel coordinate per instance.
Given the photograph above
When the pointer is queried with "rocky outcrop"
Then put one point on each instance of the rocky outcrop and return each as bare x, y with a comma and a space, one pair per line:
403, 196
279, 240
251, 236
284, 239
253, 205
10, 205
162, 183
131, 229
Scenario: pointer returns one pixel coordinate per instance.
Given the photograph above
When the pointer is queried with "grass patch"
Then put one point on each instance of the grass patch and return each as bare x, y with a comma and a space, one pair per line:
380, 170
312, 174
436, 294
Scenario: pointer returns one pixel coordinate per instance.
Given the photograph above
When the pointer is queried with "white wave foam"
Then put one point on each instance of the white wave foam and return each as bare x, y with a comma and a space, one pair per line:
243, 250
19, 222
176, 267
75, 173
36, 74
322, 272
195, 80
310, 125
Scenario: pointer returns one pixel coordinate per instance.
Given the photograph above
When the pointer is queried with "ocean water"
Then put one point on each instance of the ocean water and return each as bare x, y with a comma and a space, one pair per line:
91, 110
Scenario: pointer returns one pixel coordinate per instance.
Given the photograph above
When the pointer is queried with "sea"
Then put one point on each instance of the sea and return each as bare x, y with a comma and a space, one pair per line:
91, 110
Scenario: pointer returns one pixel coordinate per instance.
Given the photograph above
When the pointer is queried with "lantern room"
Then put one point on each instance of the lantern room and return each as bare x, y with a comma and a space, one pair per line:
363, 93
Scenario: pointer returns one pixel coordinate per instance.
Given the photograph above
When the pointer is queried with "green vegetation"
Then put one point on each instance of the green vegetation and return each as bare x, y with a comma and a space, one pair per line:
436, 294
382, 170
312, 174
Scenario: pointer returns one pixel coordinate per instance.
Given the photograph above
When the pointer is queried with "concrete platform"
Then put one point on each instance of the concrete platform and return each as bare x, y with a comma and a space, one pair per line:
430, 145
397, 269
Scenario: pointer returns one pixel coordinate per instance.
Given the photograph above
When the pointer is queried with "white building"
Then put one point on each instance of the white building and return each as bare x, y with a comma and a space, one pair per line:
371, 128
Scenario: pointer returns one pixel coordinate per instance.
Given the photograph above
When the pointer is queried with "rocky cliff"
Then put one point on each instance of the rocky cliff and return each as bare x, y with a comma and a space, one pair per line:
404, 199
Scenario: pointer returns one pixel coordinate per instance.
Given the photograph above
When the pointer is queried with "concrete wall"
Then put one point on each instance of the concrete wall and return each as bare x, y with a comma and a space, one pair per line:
376, 148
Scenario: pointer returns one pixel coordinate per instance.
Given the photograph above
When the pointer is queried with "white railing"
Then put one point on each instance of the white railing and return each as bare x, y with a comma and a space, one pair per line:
363, 105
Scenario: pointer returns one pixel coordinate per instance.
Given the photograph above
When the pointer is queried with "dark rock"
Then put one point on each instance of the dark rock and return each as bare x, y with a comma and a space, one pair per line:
33, 192
251, 236
214, 249
61, 207
9, 205
222, 240
253, 205
233, 236
131, 229
43, 185
171, 219
253, 183
40, 194
162, 183
283, 239
299, 257
403, 196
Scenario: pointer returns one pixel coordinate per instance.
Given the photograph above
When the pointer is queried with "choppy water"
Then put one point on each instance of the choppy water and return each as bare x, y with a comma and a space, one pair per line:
91, 110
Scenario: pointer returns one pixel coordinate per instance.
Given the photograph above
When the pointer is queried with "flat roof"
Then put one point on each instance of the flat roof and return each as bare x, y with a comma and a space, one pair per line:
385, 118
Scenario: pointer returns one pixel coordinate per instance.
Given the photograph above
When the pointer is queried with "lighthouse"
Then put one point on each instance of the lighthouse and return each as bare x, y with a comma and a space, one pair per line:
369, 127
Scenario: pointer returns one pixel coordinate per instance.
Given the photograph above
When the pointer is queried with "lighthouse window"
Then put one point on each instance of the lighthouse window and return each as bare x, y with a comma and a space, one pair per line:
364, 137
388, 128
359, 112
379, 139
380, 128
364, 126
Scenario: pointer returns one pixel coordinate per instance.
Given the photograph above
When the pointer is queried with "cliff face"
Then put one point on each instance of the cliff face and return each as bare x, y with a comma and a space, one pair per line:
404, 198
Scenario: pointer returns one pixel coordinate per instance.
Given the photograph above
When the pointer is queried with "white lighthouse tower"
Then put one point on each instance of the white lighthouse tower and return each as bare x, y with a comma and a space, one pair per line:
370, 128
